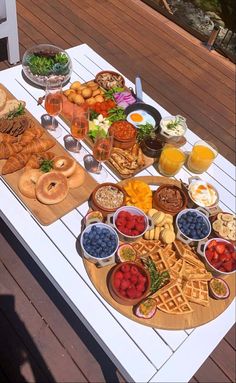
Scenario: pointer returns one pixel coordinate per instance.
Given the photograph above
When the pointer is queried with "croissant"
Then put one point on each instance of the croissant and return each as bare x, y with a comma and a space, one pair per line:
15, 162
36, 159
29, 134
38, 145
5, 137
8, 149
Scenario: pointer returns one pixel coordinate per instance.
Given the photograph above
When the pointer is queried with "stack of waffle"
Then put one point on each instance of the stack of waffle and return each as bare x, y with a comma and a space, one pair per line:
188, 275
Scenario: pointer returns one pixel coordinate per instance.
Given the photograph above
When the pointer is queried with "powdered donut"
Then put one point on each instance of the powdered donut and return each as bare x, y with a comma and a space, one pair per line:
51, 188
77, 178
27, 182
65, 165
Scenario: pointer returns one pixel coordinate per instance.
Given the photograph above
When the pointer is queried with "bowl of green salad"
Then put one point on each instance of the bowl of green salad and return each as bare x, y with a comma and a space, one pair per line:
45, 62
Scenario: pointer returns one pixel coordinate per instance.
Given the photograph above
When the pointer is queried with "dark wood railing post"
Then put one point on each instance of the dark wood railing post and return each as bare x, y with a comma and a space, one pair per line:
213, 37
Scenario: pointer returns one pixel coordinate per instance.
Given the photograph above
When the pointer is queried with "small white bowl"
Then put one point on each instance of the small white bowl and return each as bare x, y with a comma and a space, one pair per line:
111, 220
201, 249
183, 237
166, 132
105, 261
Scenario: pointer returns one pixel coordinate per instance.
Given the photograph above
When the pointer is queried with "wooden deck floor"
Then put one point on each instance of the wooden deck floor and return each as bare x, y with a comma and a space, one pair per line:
37, 331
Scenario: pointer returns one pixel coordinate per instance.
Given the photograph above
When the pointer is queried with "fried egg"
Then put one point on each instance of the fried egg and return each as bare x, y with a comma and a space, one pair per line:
140, 117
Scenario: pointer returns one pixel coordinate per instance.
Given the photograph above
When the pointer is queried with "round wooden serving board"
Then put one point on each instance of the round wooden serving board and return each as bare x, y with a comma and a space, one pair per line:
198, 317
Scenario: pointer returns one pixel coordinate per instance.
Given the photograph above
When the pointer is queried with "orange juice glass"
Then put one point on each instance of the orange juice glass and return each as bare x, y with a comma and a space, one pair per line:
201, 157
171, 160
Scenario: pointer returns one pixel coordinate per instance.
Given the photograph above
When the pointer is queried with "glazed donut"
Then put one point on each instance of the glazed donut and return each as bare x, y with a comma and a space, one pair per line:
27, 182
51, 188
77, 178
64, 165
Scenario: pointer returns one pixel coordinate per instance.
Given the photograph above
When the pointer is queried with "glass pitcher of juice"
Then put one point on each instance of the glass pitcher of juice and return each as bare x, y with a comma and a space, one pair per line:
171, 160
201, 157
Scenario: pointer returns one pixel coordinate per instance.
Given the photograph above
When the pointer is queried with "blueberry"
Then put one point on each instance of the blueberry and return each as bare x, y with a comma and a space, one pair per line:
193, 233
194, 214
190, 219
192, 226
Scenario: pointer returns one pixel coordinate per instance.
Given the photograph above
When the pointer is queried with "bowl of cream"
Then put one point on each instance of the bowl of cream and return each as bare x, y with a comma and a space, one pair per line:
173, 126
202, 193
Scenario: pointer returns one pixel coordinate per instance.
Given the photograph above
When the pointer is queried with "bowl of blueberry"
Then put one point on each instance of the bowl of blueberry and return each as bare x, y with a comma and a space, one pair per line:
193, 225
99, 243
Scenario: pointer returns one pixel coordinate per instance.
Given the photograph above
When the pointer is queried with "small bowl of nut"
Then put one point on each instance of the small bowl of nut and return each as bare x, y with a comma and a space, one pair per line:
109, 79
107, 198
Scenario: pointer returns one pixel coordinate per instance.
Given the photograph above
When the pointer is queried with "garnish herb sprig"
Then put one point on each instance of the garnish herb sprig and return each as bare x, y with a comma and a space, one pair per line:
158, 279
16, 112
46, 165
116, 114
144, 131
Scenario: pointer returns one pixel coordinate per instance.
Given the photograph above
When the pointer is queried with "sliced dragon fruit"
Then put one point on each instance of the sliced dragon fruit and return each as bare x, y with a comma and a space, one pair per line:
219, 289
126, 253
146, 309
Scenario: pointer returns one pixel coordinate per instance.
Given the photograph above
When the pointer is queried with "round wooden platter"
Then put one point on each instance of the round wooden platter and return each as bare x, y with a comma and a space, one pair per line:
200, 314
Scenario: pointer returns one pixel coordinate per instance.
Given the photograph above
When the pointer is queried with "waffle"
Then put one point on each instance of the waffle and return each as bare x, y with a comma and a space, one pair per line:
176, 270
197, 291
144, 247
195, 270
158, 257
171, 299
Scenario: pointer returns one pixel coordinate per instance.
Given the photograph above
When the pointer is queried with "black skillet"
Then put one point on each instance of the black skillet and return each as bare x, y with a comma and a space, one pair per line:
139, 104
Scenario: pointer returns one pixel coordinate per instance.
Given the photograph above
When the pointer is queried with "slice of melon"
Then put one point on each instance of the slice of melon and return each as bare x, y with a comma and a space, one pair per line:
126, 253
146, 309
219, 289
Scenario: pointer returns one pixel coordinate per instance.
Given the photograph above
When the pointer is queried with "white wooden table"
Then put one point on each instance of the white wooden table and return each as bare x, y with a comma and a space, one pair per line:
142, 354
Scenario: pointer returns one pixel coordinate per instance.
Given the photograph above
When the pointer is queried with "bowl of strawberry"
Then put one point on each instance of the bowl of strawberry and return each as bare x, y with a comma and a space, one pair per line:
129, 283
130, 223
219, 256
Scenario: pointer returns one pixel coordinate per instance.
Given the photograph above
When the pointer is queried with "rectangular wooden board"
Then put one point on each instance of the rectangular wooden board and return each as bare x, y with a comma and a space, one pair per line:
47, 214
65, 115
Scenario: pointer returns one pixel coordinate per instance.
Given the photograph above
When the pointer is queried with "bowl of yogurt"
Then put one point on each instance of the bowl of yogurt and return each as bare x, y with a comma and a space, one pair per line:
173, 126
203, 193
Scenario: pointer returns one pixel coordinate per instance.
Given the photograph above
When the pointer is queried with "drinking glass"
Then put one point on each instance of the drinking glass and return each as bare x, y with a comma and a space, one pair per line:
171, 160
53, 106
79, 127
201, 157
101, 151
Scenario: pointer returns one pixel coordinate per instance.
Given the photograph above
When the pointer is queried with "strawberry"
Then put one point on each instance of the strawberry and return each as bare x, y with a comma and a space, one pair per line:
209, 255
225, 257
135, 232
130, 225
233, 255
220, 248
228, 265
139, 227
215, 256
213, 243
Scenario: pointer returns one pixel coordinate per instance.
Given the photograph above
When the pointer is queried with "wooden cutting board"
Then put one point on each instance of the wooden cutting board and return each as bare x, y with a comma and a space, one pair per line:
66, 115
200, 314
47, 214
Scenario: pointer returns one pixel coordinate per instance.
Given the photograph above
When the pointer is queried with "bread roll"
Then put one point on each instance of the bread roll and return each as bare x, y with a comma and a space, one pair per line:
77, 178
51, 188
64, 164
27, 182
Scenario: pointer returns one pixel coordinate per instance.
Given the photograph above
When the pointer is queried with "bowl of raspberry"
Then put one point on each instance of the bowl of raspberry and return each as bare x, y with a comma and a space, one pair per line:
129, 283
130, 223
